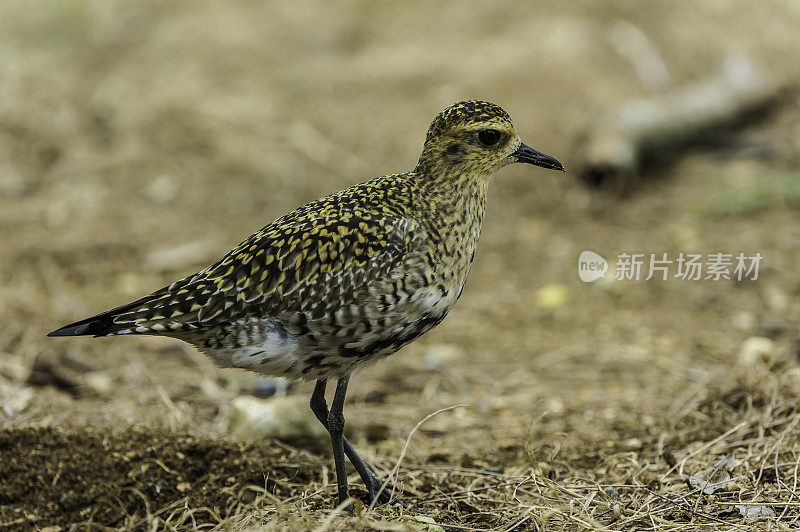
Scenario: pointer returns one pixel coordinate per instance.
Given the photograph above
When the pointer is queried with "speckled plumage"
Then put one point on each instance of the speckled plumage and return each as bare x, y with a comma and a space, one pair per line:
344, 280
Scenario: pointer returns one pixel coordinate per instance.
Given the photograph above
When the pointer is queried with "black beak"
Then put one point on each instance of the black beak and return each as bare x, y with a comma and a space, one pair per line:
526, 154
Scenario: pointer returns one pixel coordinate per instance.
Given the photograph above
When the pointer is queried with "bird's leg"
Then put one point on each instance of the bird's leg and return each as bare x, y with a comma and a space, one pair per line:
370, 479
336, 430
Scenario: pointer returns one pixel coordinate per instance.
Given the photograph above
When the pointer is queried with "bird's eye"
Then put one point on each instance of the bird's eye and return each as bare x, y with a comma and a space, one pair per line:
489, 137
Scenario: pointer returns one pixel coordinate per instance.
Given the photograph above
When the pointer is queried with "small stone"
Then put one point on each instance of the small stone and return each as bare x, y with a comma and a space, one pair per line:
755, 511
424, 523
287, 418
714, 478
633, 443
756, 350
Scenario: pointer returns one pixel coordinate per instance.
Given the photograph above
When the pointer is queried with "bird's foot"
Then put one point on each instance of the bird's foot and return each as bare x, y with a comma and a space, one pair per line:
380, 495
385, 497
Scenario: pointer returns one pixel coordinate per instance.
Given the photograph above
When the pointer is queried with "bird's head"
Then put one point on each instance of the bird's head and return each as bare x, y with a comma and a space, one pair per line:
476, 138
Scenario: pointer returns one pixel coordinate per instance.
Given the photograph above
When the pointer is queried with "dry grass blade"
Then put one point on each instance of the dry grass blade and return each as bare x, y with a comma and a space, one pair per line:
393, 474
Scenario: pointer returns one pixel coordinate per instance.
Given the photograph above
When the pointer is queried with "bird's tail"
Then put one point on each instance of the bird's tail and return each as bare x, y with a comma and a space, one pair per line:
106, 323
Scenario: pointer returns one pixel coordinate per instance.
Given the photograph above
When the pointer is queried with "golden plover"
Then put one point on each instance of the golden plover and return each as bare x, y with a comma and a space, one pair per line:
343, 281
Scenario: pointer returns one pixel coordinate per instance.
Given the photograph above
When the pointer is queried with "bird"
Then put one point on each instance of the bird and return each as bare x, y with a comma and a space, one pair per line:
344, 281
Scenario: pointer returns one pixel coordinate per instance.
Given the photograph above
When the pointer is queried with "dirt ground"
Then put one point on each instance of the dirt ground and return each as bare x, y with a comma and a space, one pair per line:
140, 141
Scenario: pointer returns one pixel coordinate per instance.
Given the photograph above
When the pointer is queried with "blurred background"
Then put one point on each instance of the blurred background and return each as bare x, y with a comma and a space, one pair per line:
140, 141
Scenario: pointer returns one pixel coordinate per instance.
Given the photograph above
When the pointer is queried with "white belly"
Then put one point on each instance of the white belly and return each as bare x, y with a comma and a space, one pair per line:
261, 345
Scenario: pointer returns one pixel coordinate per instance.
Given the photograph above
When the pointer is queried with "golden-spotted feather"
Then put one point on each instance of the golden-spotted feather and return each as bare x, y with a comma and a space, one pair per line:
319, 257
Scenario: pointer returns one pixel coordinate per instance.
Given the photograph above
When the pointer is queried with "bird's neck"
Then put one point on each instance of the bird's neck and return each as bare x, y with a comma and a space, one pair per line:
454, 205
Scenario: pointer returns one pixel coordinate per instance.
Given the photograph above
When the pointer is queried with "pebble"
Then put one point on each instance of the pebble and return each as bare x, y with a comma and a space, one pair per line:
756, 350
286, 418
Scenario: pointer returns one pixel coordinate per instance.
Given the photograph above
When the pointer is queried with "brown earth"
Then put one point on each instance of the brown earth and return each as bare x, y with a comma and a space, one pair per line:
140, 141
63, 477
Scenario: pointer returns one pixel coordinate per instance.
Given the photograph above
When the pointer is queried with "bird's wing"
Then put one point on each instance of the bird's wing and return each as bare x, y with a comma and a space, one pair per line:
312, 264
